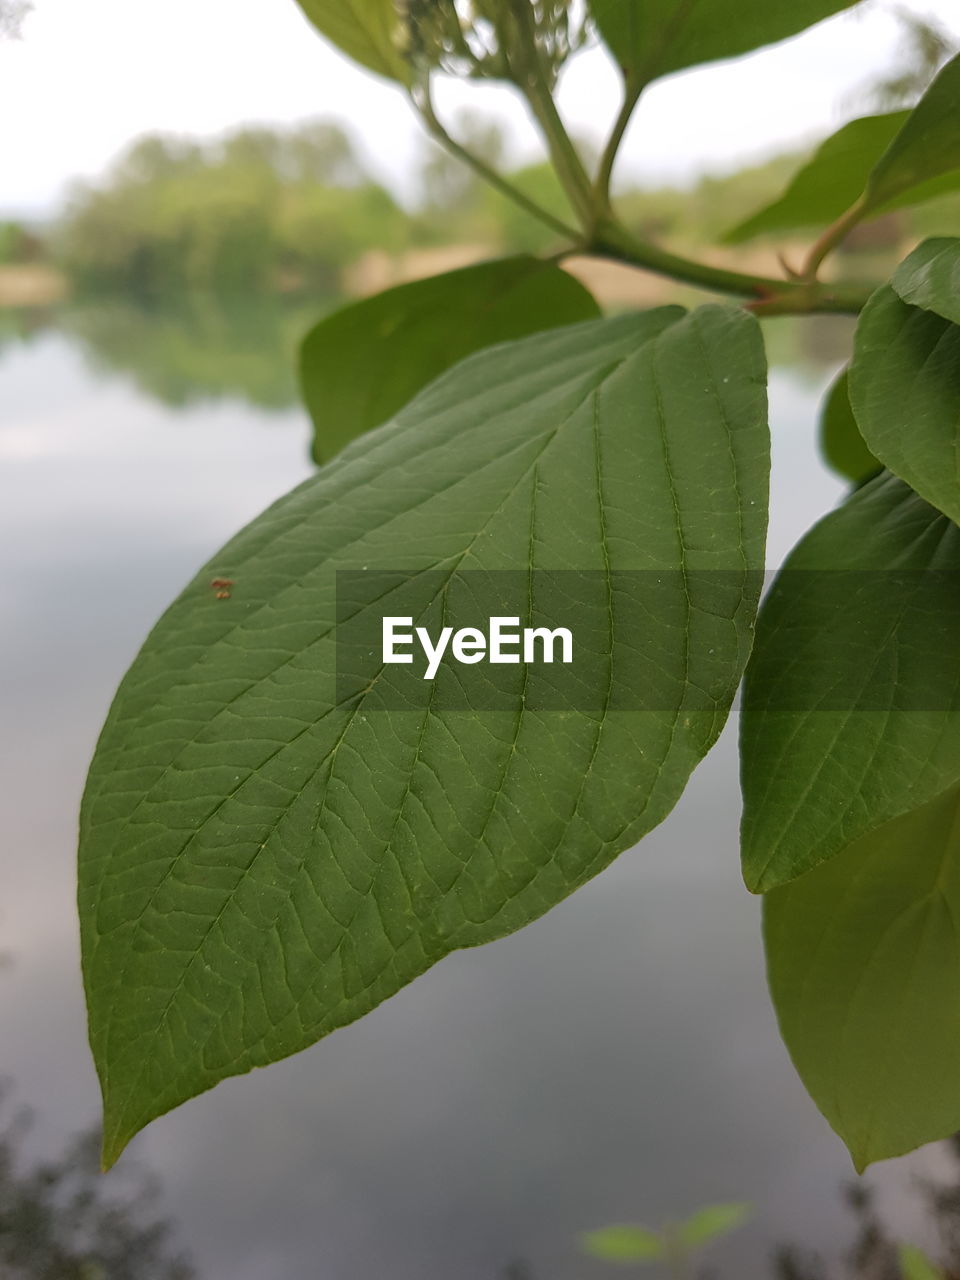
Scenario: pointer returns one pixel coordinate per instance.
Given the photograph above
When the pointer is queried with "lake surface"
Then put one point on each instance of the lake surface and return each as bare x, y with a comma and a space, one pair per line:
616, 1061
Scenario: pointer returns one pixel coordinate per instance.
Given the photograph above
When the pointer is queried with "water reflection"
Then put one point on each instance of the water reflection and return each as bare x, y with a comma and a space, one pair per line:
203, 349
617, 1059
19, 326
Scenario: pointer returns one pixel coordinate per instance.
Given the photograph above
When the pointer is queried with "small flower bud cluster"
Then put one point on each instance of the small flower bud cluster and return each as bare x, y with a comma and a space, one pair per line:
488, 39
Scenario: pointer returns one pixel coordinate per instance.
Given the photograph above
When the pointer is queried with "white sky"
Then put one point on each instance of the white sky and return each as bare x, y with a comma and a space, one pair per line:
89, 75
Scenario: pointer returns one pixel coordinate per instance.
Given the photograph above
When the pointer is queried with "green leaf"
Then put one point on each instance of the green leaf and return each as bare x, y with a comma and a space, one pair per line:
851, 696
623, 1244
927, 146
889, 161
650, 40
711, 1222
864, 966
930, 278
361, 365
262, 861
905, 393
841, 443
915, 1264
829, 182
368, 31
835, 177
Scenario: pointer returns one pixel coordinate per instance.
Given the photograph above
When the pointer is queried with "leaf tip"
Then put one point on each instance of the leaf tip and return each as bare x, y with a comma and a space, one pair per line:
753, 882
117, 1135
111, 1149
756, 872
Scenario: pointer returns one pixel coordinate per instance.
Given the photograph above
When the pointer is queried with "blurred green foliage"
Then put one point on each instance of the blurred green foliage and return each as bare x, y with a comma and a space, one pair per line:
260, 209
282, 210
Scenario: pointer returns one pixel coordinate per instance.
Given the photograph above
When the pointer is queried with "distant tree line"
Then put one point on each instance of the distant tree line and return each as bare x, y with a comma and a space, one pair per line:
288, 209
262, 208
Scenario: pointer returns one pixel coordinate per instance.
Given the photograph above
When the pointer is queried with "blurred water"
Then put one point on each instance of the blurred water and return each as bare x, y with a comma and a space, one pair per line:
618, 1060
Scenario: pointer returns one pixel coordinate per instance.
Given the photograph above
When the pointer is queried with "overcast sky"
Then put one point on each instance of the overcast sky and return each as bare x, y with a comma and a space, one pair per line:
89, 75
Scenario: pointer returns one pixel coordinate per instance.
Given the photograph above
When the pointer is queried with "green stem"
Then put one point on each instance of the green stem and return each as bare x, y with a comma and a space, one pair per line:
631, 96
769, 295
423, 104
532, 80
833, 235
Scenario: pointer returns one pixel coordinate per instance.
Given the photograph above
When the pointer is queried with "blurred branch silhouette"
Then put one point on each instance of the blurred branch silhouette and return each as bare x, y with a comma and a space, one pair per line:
12, 13
58, 1223
924, 48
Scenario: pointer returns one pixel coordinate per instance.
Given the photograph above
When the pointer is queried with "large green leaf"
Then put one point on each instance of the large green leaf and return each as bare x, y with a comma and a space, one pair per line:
927, 146
835, 177
360, 365
864, 963
369, 31
930, 278
841, 443
650, 40
851, 711
905, 393
264, 860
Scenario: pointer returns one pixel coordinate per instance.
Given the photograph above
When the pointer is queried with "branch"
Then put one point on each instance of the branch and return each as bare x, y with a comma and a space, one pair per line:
768, 295
423, 103
532, 80
631, 96
833, 235
801, 294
